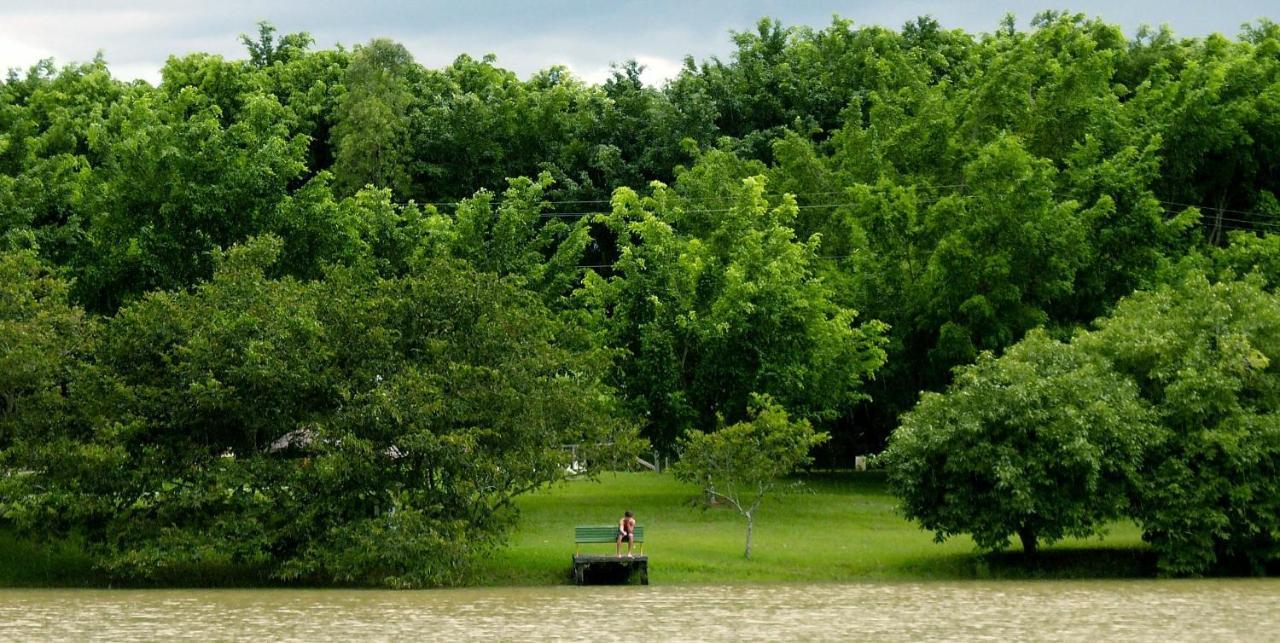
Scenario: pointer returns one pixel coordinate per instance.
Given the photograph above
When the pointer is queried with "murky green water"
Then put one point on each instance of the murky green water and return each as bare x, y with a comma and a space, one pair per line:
1079, 611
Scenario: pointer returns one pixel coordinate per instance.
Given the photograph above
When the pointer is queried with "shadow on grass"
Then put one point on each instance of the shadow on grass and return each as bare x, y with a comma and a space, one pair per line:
843, 480
1050, 564
59, 564
65, 563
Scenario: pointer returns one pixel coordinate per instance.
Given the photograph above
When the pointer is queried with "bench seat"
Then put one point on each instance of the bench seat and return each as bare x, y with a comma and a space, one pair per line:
603, 534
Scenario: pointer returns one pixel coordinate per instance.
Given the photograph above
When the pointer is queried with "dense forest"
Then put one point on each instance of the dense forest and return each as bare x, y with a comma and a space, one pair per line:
280, 308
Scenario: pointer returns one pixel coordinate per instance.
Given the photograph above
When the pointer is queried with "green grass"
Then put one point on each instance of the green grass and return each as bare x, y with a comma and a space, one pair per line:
833, 527
830, 528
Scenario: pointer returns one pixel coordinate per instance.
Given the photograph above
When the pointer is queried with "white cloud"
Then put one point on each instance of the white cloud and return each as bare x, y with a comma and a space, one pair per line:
77, 35
148, 71
70, 25
14, 53
658, 69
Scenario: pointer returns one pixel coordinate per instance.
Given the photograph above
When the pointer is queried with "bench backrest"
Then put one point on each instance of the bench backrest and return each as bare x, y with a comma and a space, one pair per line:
602, 534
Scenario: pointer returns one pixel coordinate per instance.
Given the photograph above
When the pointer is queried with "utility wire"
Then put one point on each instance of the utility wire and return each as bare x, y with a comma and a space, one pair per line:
698, 199
1209, 221
705, 200
1207, 208
1264, 225
810, 206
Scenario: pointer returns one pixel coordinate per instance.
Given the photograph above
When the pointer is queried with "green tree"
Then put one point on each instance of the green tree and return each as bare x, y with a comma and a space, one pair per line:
1043, 442
741, 463
50, 119
1004, 254
713, 304
176, 185
269, 49
42, 339
956, 272
1051, 86
514, 237
1215, 114
1205, 354
370, 135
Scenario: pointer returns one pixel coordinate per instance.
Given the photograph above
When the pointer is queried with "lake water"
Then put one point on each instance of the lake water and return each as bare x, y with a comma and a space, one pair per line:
1218, 610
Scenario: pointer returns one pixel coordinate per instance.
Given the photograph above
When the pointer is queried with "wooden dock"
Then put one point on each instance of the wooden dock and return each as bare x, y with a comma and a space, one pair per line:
602, 569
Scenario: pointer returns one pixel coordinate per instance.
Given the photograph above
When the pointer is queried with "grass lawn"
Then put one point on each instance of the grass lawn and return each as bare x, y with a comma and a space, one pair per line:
830, 528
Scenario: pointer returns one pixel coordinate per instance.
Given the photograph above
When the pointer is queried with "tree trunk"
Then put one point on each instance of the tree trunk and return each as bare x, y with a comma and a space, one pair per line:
1028, 537
750, 523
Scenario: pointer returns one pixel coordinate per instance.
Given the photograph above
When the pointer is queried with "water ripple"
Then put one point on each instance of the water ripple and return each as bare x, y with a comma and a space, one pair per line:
1048, 610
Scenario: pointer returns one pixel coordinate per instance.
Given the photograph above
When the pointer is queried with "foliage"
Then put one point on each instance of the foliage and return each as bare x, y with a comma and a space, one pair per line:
293, 426
741, 463
158, 217
371, 126
42, 339
1044, 442
542, 252
1205, 353
713, 305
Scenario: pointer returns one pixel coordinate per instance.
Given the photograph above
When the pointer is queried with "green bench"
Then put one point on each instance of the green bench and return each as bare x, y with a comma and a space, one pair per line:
602, 534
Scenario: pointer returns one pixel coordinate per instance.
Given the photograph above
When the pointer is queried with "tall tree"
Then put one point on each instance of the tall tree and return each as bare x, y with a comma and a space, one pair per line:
179, 183
713, 304
355, 429
370, 136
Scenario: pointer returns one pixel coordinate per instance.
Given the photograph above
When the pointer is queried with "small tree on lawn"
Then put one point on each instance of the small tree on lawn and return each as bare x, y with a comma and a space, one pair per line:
740, 464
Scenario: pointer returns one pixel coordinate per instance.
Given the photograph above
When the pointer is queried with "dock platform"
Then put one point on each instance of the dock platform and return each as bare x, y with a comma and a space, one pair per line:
608, 569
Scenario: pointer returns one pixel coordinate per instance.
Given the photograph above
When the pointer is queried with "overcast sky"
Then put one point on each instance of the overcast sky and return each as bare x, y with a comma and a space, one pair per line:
136, 37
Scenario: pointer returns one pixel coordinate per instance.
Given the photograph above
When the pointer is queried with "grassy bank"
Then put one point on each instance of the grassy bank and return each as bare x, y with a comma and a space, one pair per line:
831, 528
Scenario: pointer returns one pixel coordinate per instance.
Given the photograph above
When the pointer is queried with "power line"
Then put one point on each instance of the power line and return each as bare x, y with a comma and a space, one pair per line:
1266, 225
702, 199
1270, 223
1208, 208
808, 206
1241, 224
818, 206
